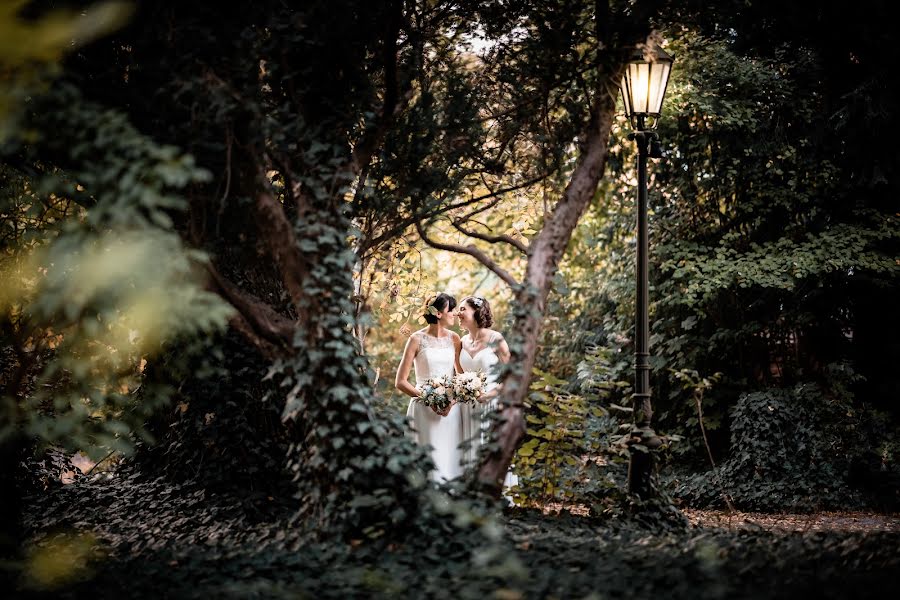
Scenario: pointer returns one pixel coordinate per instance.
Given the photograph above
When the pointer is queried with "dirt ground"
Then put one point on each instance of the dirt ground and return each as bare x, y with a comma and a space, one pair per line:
822, 521
778, 522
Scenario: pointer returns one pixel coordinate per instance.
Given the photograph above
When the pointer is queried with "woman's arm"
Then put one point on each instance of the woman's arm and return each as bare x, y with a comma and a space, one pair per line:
503, 352
401, 380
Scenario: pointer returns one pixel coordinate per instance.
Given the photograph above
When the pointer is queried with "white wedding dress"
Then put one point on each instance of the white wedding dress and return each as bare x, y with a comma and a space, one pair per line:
434, 359
476, 427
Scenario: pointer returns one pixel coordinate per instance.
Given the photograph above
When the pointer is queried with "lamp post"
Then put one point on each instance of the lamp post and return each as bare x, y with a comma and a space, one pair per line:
643, 88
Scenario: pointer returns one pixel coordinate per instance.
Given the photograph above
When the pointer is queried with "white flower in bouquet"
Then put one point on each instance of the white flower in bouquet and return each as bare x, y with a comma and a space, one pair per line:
468, 387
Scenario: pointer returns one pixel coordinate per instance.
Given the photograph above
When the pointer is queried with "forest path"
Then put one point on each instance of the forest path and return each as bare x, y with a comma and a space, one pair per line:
818, 521
836, 521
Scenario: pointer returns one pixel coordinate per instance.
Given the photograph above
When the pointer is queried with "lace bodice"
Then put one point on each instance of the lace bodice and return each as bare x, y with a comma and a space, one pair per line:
483, 361
435, 356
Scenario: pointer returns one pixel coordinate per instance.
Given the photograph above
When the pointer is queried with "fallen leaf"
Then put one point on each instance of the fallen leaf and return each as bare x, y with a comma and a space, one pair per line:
81, 462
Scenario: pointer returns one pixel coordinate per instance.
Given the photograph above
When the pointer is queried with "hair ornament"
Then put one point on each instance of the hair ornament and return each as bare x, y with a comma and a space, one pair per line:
430, 308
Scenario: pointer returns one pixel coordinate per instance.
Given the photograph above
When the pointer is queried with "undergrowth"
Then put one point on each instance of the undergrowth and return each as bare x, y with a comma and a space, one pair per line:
117, 534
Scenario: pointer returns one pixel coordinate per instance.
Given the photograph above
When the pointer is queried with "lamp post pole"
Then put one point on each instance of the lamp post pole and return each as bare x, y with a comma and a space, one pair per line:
643, 438
643, 88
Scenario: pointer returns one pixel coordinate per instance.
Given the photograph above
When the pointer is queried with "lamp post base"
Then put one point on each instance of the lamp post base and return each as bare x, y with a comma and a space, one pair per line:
645, 436
642, 442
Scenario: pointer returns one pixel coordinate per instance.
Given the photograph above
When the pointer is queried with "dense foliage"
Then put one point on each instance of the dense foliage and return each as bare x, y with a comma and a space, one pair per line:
774, 253
217, 225
800, 447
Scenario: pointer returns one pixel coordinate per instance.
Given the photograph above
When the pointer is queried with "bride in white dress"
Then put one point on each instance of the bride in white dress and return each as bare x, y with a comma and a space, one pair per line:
482, 349
434, 351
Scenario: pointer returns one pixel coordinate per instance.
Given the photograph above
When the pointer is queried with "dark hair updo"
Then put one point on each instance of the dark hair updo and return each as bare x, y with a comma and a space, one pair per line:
481, 310
441, 302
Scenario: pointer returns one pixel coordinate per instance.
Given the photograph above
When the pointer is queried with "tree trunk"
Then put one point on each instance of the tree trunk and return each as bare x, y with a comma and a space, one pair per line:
544, 256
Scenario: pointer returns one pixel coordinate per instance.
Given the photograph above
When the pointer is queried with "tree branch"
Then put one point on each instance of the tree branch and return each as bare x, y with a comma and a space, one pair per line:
371, 138
471, 251
402, 225
261, 319
493, 239
278, 233
545, 253
32, 170
267, 349
468, 216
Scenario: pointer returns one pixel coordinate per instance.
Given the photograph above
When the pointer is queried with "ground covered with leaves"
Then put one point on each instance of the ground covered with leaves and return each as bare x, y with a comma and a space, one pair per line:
118, 534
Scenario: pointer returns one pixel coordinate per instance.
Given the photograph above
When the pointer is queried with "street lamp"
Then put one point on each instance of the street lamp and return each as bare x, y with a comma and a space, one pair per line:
643, 89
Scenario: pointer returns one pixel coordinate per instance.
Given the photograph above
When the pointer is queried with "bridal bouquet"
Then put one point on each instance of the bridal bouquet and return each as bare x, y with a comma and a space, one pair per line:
435, 392
468, 387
